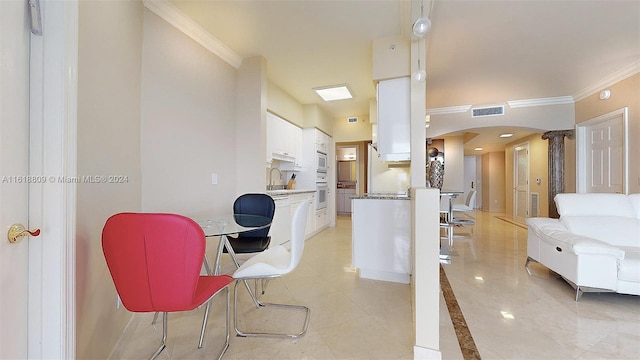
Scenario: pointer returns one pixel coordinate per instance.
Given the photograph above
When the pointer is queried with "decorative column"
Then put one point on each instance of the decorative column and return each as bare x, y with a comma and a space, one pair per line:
556, 165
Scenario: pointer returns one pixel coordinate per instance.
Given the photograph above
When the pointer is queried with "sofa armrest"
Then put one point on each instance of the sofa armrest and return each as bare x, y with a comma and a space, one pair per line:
554, 232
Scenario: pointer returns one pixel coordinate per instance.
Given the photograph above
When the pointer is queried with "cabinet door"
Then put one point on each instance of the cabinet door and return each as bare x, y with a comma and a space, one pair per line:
271, 135
280, 230
311, 218
394, 119
297, 138
321, 141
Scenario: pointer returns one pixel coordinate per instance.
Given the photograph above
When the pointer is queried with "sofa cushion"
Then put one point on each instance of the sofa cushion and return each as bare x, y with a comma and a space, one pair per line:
596, 204
629, 268
614, 230
554, 232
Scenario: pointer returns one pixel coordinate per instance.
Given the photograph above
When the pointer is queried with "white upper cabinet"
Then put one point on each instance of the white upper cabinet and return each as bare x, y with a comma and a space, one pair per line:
394, 119
284, 140
322, 141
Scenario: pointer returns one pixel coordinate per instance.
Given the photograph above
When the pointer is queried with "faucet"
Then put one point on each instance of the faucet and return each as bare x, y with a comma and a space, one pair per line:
270, 186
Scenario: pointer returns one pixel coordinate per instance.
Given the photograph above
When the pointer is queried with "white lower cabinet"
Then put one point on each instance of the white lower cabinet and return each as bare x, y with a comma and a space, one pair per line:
286, 206
280, 230
311, 219
321, 219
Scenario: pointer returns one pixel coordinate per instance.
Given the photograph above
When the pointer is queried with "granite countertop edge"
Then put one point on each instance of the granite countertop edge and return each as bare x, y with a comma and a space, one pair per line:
381, 197
288, 192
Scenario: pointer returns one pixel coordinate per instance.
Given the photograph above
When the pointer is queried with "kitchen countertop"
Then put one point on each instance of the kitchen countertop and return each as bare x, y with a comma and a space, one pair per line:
288, 192
383, 196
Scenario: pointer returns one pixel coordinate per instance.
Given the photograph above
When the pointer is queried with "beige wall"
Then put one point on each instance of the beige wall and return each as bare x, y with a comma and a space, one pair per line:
538, 169
109, 63
314, 116
624, 93
251, 126
284, 105
453, 163
493, 182
344, 131
188, 124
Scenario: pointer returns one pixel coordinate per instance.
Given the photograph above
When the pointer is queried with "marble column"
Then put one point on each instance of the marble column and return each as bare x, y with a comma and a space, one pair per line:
556, 165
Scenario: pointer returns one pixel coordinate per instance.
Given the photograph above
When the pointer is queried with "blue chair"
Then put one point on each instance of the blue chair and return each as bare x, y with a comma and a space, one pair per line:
257, 240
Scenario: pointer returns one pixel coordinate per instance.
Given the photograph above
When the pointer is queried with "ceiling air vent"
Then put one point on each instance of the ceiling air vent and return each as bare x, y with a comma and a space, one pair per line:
487, 111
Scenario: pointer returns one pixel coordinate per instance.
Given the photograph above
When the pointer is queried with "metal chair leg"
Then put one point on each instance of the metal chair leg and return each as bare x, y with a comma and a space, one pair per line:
261, 305
163, 344
227, 321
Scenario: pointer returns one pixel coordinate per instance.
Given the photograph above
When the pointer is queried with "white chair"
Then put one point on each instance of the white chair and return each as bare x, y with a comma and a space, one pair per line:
469, 205
272, 263
444, 217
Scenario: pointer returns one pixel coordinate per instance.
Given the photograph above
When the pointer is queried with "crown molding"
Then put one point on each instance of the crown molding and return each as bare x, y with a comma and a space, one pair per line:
559, 100
448, 110
182, 22
612, 79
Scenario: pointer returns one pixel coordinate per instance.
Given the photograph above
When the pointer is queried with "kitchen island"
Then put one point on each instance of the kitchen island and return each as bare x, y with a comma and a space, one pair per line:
381, 236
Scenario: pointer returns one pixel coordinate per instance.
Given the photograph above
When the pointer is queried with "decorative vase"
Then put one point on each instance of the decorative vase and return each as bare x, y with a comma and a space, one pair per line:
436, 174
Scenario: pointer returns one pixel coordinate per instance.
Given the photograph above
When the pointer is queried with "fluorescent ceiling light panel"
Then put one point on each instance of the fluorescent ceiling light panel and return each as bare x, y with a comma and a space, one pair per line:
331, 93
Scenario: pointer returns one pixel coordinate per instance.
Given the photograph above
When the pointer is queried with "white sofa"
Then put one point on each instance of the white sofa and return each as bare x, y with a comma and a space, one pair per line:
595, 245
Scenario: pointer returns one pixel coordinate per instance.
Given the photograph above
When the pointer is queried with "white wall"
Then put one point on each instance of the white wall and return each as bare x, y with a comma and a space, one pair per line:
453, 163
251, 126
109, 63
547, 117
188, 123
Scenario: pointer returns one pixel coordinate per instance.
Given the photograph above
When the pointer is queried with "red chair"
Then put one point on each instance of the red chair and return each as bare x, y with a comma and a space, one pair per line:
155, 262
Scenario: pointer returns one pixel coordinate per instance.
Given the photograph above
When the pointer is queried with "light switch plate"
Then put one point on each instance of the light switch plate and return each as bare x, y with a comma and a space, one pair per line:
214, 179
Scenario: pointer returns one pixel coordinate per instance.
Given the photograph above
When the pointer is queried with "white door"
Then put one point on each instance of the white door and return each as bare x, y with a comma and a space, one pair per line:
14, 167
521, 180
37, 307
604, 141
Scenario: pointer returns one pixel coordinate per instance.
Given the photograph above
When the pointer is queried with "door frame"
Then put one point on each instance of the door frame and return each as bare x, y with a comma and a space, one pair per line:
582, 147
52, 205
515, 178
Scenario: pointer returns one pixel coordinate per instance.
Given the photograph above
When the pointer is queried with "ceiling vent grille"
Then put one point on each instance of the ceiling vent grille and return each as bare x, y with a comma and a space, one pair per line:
487, 111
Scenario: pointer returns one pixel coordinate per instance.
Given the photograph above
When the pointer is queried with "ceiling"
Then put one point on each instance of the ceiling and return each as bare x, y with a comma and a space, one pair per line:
477, 52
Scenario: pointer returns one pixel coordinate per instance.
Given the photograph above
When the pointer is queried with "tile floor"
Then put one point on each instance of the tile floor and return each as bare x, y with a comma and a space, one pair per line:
510, 314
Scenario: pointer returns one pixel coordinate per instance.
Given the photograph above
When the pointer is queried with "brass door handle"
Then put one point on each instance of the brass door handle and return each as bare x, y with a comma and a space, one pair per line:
17, 232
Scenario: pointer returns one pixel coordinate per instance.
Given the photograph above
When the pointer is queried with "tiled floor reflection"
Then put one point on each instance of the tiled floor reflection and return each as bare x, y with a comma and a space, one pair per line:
510, 315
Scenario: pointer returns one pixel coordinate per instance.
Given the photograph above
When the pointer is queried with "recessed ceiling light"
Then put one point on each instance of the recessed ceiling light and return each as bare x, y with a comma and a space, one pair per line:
478, 149
331, 93
506, 135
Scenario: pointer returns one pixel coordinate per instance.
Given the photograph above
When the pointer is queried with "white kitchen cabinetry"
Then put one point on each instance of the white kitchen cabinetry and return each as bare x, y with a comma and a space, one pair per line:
322, 141
321, 219
281, 225
284, 140
295, 201
381, 236
286, 205
311, 219
394, 119
343, 200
